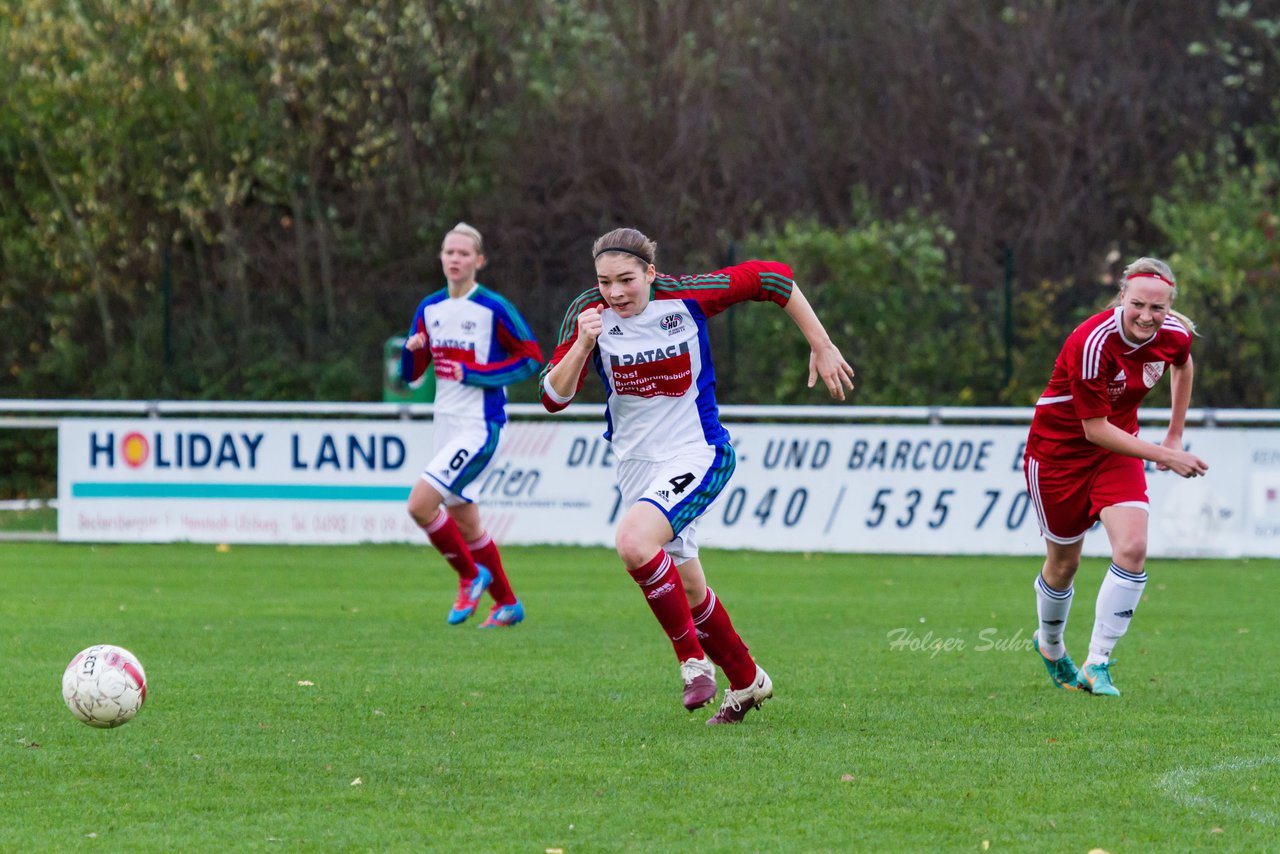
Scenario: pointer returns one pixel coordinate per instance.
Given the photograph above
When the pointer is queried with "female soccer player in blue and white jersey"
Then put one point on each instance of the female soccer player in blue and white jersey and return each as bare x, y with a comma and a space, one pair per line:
646, 336
478, 343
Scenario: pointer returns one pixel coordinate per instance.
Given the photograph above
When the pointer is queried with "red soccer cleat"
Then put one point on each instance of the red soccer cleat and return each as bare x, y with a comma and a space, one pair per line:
699, 676
737, 703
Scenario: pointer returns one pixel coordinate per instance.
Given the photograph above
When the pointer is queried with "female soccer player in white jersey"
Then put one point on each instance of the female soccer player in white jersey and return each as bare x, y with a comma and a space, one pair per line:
1084, 461
646, 336
479, 343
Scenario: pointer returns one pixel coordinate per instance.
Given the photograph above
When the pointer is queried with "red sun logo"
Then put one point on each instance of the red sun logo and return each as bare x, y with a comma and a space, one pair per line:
134, 449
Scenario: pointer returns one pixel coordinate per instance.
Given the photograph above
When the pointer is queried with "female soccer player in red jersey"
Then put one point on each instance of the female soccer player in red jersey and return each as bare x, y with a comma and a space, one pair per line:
1084, 461
479, 343
646, 336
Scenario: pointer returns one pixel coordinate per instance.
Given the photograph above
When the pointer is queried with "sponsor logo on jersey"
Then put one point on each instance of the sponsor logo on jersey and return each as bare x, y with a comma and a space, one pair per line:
1115, 388
1120, 377
642, 357
1151, 373
661, 372
617, 330
452, 344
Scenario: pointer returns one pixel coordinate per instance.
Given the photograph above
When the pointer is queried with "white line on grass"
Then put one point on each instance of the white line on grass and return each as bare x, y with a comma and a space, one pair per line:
1181, 783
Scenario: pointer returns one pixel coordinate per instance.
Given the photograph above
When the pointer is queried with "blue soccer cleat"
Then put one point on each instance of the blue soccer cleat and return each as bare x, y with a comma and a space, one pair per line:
469, 593
1062, 671
1098, 679
503, 615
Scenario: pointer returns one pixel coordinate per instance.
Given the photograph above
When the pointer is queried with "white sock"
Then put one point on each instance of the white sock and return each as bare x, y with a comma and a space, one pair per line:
1117, 600
1052, 606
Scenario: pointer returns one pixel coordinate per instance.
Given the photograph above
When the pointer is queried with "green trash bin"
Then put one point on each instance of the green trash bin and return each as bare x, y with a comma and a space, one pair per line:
396, 391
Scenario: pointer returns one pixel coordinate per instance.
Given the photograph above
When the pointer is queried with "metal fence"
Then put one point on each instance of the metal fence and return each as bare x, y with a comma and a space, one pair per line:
44, 414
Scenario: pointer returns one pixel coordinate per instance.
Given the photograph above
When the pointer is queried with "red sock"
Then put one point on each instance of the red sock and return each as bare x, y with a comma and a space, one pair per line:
726, 649
484, 551
447, 539
665, 594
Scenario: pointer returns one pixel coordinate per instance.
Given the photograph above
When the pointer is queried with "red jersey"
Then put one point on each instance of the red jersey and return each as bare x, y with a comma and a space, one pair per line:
1100, 372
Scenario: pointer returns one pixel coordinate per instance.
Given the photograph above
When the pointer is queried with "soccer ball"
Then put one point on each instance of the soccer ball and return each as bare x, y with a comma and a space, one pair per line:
104, 685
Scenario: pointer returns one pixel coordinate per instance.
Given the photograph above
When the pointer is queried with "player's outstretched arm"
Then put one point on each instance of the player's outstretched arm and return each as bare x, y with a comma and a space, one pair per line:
825, 359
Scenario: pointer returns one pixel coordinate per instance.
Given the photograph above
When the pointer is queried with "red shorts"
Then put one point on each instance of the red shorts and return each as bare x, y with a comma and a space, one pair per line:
1069, 499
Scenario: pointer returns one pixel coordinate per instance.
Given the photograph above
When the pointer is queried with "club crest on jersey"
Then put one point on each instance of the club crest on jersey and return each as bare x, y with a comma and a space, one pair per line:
468, 325
1151, 373
672, 323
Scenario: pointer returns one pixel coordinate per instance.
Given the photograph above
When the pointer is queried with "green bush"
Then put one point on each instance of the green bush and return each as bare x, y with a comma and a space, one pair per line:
887, 298
31, 464
1045, 313
1220, 220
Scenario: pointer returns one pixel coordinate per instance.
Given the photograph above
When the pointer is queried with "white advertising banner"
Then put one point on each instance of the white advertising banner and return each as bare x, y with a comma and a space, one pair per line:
832, 487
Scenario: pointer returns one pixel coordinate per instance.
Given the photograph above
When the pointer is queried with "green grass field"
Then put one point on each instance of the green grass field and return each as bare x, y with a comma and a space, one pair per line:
567, 732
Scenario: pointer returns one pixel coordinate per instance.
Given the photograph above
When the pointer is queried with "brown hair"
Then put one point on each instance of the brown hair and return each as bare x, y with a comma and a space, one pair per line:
1160, 270
628, 241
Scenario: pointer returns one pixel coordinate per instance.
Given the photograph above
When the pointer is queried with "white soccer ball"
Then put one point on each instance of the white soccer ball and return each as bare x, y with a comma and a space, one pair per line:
104, 685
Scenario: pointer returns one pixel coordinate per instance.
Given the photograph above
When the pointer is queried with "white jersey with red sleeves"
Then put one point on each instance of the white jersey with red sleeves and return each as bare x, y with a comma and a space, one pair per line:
483, 332
1098, 373
656, 366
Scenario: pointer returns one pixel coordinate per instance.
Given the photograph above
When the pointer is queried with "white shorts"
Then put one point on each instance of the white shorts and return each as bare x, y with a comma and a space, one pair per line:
682, 487
464, 448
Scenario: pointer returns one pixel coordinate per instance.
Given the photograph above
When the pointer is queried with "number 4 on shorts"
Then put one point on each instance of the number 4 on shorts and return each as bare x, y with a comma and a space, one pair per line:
681, 482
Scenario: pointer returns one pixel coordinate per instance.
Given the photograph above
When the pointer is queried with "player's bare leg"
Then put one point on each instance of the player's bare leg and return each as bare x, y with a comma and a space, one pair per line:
694, 581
